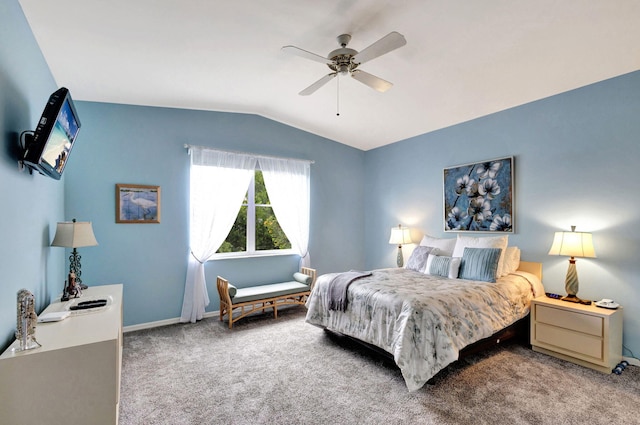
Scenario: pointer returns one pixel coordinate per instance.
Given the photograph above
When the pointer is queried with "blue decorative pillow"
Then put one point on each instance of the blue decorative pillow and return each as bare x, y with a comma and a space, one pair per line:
438, 265
480, 264
418, 259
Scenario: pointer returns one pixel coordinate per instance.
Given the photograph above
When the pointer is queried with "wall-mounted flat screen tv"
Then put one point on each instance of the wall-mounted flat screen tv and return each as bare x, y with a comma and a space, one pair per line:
47, 150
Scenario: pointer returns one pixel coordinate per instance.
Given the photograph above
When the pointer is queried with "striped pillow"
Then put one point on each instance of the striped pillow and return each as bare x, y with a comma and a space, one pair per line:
442, 266
480, 264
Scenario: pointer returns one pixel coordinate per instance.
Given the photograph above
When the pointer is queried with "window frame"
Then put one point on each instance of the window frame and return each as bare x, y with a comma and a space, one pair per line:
251, 230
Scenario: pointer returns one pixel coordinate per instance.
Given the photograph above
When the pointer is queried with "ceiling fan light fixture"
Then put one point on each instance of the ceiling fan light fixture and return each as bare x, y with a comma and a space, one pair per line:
341, 53
344, 61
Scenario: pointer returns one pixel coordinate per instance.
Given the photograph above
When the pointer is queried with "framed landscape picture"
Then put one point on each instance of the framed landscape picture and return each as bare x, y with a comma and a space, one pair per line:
478, 197
137, 203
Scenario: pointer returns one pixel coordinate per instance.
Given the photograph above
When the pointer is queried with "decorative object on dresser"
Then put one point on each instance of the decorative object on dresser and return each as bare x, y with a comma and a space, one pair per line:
74, 234
400, 236
573, 244
26, 321
582, 334
478, 197
71, 288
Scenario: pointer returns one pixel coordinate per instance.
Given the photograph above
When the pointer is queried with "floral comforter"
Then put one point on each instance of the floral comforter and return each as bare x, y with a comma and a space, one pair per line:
423, 320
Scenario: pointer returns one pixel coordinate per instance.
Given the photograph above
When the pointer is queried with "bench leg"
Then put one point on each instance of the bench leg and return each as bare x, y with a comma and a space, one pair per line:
273, 305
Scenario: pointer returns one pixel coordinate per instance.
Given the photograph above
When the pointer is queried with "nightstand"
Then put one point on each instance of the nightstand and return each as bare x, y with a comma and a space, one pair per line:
583, 334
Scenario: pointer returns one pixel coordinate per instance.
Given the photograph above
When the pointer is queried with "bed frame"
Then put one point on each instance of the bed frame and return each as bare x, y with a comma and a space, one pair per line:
516, 332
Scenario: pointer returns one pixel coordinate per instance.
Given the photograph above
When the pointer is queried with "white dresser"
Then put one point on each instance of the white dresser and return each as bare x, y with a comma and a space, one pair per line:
74, 377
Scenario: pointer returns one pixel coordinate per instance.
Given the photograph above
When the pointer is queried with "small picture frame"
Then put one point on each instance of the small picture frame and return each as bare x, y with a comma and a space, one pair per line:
136, 203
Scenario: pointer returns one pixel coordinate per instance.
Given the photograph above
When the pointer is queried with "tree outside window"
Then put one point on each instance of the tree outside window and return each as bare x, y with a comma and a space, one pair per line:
256, 228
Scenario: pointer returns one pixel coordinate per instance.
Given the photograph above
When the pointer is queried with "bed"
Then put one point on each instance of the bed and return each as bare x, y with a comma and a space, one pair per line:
422, 319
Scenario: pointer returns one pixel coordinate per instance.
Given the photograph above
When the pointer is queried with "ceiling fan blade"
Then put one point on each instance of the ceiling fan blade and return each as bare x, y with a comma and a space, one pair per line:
389, 42
315, 86
303, 53
371, 80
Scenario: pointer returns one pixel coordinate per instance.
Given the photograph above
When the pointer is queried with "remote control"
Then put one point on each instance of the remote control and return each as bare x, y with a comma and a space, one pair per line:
91, 302
550, 295
88, 304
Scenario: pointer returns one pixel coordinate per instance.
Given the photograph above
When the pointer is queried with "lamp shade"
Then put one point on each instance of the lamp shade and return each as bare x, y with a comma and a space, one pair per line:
573, 244
400, 235
74, 234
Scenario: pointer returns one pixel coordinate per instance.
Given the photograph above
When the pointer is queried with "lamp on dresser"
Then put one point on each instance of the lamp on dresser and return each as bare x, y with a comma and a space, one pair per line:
74, 234
573, 244
400, 236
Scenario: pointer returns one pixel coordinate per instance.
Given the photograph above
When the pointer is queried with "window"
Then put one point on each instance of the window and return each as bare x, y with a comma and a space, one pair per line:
256, 229
218, 184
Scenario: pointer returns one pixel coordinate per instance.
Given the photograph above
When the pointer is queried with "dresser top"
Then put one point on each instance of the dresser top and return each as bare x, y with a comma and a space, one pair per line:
566, 305
82, 326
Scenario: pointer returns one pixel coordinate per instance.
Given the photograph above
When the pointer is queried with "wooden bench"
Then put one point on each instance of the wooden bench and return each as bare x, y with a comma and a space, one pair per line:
262, 297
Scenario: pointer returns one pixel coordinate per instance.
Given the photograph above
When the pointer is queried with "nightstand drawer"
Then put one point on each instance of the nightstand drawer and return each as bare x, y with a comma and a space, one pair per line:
569, 340
592, 325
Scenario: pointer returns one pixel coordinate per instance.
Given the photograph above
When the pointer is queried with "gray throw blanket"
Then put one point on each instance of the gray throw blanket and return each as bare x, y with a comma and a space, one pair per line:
338, 288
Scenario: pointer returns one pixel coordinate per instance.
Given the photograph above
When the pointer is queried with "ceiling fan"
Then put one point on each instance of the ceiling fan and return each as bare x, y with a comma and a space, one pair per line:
345, 61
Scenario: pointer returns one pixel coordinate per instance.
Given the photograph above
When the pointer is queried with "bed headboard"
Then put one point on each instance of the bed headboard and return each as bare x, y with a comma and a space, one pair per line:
533, 268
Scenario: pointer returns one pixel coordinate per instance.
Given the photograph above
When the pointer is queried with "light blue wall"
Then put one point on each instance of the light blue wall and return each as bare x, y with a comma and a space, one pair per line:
145, 145
576, 155
31, 204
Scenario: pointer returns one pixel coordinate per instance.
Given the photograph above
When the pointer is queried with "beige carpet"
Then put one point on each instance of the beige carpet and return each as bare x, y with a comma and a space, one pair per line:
285, 371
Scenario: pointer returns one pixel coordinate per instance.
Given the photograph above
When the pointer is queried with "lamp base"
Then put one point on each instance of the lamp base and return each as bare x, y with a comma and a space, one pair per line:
575, 299
399, 259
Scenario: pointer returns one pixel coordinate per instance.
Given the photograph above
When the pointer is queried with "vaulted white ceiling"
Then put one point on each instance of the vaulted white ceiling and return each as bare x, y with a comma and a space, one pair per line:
463, 59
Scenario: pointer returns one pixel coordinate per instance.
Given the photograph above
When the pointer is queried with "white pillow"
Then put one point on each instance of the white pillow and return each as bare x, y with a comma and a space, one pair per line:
453, 262
463, 242
445, 246
511, 259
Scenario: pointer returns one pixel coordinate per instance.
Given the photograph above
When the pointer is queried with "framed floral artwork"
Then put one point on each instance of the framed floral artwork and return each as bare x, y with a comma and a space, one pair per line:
136, 203
478, 197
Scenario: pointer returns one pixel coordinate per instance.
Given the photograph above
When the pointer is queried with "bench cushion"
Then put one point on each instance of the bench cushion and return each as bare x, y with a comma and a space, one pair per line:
254, 293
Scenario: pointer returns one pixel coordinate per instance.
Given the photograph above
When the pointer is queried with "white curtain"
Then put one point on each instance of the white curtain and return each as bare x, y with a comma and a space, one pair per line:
287, 183
219, 181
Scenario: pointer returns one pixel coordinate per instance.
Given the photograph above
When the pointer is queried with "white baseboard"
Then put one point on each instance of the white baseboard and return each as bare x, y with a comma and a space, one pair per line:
632, 361
165, 322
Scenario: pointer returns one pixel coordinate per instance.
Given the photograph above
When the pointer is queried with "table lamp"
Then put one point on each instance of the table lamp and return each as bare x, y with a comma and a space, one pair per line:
74, 234
573, 244
399, 236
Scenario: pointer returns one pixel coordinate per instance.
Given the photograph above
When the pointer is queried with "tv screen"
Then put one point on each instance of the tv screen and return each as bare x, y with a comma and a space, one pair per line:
47, 150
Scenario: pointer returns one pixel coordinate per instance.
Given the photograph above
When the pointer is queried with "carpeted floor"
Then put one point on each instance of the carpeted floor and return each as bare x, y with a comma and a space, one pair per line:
286, 371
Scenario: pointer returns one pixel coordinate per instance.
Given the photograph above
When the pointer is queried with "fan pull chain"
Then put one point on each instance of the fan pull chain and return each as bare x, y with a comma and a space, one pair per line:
338, 95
